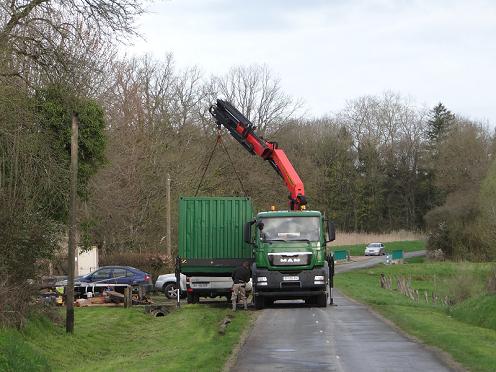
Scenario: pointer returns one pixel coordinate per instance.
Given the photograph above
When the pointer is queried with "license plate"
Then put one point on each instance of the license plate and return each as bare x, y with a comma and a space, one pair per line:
290, 278
199, 285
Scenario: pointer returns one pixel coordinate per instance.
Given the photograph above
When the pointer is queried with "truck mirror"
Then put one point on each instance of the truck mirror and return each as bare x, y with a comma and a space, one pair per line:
331, 230
247, 232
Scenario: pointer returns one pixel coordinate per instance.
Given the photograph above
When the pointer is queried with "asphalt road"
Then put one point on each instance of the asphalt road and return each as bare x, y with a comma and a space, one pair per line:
344, 337
372, 261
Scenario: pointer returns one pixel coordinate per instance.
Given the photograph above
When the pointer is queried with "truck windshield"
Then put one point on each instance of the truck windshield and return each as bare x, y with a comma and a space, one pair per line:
290, 229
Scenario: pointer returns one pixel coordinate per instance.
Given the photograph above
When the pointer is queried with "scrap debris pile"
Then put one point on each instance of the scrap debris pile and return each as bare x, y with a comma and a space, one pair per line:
95, 295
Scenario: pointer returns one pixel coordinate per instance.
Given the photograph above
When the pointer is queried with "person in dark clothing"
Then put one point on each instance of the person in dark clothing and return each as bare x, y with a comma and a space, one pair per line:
240, 276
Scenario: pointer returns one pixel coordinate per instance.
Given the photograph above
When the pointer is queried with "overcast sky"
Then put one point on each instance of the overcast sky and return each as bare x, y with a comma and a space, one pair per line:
328, 52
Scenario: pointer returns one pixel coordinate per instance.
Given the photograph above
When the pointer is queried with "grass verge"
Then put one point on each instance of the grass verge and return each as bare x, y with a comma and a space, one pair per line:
456, 329
407, 246
116, 339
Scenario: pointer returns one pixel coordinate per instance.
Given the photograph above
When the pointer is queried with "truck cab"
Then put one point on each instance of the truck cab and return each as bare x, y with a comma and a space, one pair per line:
289, 248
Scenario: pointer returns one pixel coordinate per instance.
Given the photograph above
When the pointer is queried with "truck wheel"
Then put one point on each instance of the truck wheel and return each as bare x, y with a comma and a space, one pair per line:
229, 297
170, 291
259, 302
310, 301
321, 300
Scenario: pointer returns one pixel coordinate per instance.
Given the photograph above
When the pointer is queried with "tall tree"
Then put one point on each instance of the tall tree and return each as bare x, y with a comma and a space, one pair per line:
486, 224
439, 124
47, 46
462, 164
55, 105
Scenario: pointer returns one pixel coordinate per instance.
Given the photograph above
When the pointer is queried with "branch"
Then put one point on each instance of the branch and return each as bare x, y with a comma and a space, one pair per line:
16, 17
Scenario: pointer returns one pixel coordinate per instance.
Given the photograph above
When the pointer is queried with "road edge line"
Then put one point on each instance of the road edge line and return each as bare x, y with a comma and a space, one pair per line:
233, 358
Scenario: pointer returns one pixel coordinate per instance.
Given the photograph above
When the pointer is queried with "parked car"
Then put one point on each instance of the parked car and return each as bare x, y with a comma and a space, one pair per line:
375, 249
167, 284
115, 275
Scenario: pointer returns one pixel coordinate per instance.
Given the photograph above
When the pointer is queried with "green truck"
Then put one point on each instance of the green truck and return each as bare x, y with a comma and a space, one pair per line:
286, 249
291, 262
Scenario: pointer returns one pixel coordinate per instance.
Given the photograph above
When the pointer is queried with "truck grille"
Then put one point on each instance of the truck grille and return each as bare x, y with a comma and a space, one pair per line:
290, 258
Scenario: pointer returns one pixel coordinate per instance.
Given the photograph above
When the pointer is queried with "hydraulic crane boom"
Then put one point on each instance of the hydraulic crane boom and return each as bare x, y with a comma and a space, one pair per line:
243, 131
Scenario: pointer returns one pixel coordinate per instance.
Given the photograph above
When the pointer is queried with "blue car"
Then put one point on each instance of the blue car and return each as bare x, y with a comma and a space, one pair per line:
118, 275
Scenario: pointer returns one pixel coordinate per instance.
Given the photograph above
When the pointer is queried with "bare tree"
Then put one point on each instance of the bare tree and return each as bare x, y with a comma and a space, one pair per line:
111, 17
188, 96
257, 94
152, 116
463, 158
37, 30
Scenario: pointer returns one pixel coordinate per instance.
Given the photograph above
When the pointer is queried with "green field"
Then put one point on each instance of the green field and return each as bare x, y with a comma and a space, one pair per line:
407, 246
117, 339
465, 328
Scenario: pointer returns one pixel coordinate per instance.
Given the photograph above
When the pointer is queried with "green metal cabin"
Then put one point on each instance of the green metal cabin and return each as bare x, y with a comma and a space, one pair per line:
211, 234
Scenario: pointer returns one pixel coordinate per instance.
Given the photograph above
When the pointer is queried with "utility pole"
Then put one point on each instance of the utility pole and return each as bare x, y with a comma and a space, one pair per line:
69, 301
168, 228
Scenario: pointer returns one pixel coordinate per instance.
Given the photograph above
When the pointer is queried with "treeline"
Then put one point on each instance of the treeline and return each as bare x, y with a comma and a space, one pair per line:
54, 59
380, 164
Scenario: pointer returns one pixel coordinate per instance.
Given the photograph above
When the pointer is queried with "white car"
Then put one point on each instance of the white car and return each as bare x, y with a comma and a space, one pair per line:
375, 249
167, 284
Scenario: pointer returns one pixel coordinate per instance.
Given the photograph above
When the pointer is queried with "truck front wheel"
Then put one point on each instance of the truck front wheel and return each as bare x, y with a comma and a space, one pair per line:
259, 302
321, 300
310, 300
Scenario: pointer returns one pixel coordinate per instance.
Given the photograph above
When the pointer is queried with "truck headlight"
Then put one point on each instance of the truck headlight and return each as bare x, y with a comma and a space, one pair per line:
319, 277
262, 279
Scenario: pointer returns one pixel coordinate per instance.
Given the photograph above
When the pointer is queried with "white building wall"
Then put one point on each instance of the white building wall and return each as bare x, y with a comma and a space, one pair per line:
87, 261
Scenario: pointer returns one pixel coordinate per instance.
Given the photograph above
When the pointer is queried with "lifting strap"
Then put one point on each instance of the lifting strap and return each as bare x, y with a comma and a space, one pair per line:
217, 141
234, 167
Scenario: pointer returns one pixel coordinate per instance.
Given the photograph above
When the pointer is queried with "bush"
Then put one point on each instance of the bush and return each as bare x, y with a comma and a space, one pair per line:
26, 237
18, 303
435, 255
491, 281
463, 285
15, 301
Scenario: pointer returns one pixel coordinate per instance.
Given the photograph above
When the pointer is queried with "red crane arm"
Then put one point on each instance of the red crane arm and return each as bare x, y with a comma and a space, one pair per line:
244, 132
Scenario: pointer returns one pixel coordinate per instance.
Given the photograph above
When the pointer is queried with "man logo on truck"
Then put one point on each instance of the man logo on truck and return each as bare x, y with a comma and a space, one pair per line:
290, 260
